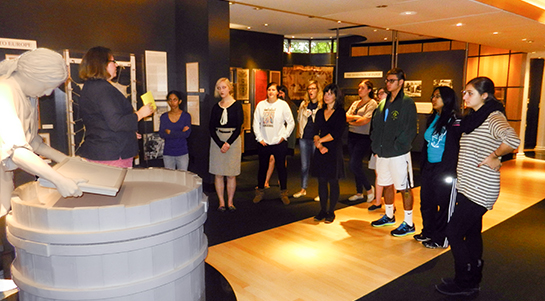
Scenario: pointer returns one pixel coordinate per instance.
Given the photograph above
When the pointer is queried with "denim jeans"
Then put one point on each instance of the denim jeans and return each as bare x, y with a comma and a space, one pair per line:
176, 162
306, 147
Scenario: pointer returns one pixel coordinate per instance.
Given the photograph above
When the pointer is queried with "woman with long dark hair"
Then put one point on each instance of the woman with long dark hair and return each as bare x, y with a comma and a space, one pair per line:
438, 166
359, 143
486, 137
327, 163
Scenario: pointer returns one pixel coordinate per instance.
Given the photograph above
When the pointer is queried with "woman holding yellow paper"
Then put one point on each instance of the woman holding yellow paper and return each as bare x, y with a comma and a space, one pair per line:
109, 119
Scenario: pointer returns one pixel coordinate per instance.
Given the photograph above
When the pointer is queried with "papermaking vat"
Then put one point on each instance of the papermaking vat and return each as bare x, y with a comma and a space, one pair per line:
146, 243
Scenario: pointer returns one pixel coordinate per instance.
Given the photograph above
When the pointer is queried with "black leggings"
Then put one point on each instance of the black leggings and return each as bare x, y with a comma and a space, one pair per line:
466, 242
330, 193
279, 152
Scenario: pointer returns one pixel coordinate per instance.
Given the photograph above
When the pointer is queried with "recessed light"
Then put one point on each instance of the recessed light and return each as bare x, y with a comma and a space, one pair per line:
339, 22
231, 3
495, 32
311, 38
293, 37
266, 24
257, 8
459, 24
385, 39
249, 27
408, 13
529, 41
375, 30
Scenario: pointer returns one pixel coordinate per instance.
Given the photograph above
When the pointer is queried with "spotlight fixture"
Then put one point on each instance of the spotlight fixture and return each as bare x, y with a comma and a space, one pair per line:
408, 13
459, 24
495, 32
249, 27
265, 24
257, 8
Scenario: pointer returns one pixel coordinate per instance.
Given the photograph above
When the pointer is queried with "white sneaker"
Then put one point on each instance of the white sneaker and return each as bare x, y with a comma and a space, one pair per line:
300, 194
355, 197
371, 194
317, 199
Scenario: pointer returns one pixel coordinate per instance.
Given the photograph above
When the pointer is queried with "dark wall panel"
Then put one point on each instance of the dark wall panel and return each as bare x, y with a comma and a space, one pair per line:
254, 50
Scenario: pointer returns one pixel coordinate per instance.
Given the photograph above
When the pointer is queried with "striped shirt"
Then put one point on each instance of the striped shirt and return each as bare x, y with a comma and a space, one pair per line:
481, 185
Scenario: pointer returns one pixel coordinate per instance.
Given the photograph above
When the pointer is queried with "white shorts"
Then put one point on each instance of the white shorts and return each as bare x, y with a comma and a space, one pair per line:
395, 170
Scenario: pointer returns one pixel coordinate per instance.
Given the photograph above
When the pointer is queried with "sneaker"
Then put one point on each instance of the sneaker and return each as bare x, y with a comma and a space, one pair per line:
317, 199
432, 245
330, 218
384, 221
449, 281
374, 207
371, 194
300, 194
284, 197
452, 289
355, 197
321, 216
421, 237
403, 229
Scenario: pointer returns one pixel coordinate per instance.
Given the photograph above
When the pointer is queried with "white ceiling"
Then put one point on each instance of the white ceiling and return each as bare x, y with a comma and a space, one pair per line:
433, 19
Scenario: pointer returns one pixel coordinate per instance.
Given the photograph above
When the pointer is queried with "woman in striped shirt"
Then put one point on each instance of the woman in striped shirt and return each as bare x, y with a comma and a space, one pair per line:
486, 136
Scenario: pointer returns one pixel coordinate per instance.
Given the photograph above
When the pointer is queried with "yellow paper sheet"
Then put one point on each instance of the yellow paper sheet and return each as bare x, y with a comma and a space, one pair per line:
148, 98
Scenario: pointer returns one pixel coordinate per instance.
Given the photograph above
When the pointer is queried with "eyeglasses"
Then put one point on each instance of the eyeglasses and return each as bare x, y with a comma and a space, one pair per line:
112, 61
391, 81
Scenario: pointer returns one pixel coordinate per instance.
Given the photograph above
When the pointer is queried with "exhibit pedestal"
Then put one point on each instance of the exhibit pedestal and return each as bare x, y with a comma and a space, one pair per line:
146, 243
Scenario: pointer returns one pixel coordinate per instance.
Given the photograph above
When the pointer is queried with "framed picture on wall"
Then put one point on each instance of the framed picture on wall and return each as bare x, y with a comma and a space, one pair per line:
247, 111
243, 84
274, 76
153, 146
413, 88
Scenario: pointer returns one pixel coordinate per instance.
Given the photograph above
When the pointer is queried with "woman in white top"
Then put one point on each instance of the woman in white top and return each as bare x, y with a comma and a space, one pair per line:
359, 144
305, 131
273, 124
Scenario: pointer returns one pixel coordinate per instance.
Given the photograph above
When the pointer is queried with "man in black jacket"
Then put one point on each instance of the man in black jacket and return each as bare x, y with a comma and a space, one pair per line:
394, 128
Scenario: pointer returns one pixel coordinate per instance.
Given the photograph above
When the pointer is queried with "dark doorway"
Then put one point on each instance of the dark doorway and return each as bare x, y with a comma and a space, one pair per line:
532, 116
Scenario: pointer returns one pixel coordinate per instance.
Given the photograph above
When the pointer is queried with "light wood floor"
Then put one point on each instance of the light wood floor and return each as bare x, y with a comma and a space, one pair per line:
347, 259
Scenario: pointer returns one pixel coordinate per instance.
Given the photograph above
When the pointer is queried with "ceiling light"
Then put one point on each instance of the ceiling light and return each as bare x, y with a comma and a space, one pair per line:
529, 41
495, 32
459, 24
408, 13
375, 30
385, 39
293, 37
249, 27
257, 8
266, 24
339, 22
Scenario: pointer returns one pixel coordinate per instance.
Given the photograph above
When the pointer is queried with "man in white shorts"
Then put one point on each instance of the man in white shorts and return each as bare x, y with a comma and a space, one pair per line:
393, 131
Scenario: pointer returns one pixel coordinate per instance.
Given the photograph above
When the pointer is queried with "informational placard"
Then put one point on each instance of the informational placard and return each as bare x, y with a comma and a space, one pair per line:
364, 74
193, 109
18, 44
156, 73
192, 77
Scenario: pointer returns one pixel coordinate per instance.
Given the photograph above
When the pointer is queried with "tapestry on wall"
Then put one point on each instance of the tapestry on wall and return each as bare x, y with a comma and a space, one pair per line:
296, 78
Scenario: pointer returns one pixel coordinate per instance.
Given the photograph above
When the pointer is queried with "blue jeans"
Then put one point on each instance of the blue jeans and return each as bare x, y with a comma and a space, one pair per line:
306, 147
359, 146
176, 162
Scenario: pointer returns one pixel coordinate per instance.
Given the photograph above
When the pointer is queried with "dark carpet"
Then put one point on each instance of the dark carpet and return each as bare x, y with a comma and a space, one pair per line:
514, 265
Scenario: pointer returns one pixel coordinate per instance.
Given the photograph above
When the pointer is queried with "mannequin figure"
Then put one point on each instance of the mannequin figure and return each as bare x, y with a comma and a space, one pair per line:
35, 73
